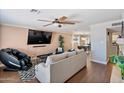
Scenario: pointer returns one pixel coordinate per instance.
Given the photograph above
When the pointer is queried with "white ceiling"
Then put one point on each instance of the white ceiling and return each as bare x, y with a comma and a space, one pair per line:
25, 18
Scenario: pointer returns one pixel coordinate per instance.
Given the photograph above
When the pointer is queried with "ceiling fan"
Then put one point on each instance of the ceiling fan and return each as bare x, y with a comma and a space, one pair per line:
59, 21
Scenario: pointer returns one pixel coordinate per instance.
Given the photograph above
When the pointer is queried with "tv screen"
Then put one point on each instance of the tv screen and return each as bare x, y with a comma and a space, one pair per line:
39, 37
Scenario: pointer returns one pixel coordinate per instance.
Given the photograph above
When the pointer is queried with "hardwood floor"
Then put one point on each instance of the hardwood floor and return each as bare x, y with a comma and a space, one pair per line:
92, 73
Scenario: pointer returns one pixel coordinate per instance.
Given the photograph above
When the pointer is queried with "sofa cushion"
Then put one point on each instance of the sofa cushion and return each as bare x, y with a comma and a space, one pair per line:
79, 51
69, 54
55, 58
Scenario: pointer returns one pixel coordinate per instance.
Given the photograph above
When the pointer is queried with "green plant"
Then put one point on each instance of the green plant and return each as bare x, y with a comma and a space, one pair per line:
61, 41
121, 66
119, 61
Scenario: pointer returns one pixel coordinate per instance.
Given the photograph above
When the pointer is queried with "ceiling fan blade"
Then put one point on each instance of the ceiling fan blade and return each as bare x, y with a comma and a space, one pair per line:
44, 20
66, 22
63, 18
72, 21
48, 24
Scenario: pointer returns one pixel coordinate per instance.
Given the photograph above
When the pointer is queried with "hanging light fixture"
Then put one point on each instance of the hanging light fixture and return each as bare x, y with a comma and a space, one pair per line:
120, 39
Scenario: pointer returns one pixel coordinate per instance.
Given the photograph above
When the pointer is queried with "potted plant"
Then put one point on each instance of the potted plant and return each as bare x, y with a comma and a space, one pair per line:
119, 61
61, 41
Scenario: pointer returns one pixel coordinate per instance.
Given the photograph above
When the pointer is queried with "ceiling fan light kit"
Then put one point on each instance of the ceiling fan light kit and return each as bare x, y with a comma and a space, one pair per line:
59, 25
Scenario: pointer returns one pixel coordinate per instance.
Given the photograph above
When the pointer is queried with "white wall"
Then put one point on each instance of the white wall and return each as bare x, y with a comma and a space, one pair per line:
99, 41
98, 44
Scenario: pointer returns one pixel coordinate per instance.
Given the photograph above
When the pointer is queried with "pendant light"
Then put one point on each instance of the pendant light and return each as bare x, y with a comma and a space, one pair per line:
120, 39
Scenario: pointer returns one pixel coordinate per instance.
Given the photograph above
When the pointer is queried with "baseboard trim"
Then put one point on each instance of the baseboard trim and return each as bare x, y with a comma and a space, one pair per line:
108, 60
97, 61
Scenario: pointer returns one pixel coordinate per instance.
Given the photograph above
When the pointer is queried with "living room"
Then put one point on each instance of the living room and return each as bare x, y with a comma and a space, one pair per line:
71, 46
73, 34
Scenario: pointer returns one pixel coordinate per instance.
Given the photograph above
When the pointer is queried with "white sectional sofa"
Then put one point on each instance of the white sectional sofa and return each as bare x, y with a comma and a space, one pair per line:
59, 68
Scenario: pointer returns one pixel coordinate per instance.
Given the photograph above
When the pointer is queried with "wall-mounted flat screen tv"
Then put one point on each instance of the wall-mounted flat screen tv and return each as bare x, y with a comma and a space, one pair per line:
39, 37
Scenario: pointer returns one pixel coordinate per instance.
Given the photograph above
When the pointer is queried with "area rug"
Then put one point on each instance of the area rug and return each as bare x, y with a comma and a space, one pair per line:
27, 75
